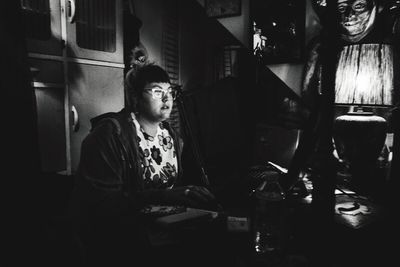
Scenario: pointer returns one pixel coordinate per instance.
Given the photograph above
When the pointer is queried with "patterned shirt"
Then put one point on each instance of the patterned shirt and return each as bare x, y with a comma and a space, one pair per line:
159, 157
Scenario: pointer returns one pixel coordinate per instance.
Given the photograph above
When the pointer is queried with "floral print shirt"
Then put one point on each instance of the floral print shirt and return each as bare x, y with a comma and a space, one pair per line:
159, 157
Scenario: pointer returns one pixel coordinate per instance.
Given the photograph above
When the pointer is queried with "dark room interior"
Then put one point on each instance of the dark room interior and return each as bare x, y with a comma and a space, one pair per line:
295, 99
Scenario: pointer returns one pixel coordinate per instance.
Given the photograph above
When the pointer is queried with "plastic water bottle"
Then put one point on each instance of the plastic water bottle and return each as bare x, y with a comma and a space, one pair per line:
269, 209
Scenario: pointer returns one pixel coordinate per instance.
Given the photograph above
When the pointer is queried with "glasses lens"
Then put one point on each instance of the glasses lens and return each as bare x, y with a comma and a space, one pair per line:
157, 93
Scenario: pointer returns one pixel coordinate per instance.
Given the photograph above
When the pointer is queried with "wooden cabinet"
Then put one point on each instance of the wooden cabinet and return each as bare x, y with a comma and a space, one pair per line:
94, 29
49, 86
76, 58
42, 21
93, 90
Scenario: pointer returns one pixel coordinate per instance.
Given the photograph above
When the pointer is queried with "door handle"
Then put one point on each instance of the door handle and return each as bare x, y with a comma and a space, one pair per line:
71, 11
75, 119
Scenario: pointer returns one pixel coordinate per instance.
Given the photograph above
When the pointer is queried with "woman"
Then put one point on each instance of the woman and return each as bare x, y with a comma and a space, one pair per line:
129, 160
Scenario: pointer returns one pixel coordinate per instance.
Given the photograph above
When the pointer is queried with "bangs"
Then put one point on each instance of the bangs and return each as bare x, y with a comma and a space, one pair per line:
146, 74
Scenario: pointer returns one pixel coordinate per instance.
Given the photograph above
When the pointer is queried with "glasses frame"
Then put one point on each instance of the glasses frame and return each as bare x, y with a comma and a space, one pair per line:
170, 92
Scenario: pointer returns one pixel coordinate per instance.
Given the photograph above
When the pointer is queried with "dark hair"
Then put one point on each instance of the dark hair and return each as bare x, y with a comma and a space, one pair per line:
137, 78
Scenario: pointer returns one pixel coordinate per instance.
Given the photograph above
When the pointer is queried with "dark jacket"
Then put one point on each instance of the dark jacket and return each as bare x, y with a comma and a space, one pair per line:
109, 179
109, 190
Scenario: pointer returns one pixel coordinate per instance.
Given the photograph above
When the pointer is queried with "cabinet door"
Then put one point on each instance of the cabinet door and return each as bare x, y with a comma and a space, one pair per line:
93, 90
94, 29
48, 82
42, 22
51, 127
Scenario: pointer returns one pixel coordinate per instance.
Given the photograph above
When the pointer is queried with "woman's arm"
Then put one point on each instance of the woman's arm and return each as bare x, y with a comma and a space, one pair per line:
101, 188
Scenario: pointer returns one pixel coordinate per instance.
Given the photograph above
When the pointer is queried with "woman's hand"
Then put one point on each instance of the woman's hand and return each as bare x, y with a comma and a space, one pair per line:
191, 195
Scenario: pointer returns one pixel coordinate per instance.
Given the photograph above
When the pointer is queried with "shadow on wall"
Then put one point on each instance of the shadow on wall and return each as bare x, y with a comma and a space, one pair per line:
221, 121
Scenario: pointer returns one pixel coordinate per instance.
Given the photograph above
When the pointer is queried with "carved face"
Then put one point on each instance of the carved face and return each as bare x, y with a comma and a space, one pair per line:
356, 18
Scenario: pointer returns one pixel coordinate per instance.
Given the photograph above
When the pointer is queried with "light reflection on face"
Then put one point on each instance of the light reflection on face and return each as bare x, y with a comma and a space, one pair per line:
154, 109
355, 17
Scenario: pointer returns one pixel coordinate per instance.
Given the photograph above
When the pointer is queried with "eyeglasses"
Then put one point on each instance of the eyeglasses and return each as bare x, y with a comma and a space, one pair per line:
158, 93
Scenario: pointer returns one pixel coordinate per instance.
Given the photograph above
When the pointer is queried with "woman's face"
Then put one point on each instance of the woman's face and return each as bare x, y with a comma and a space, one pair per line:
156, 102
355, 16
